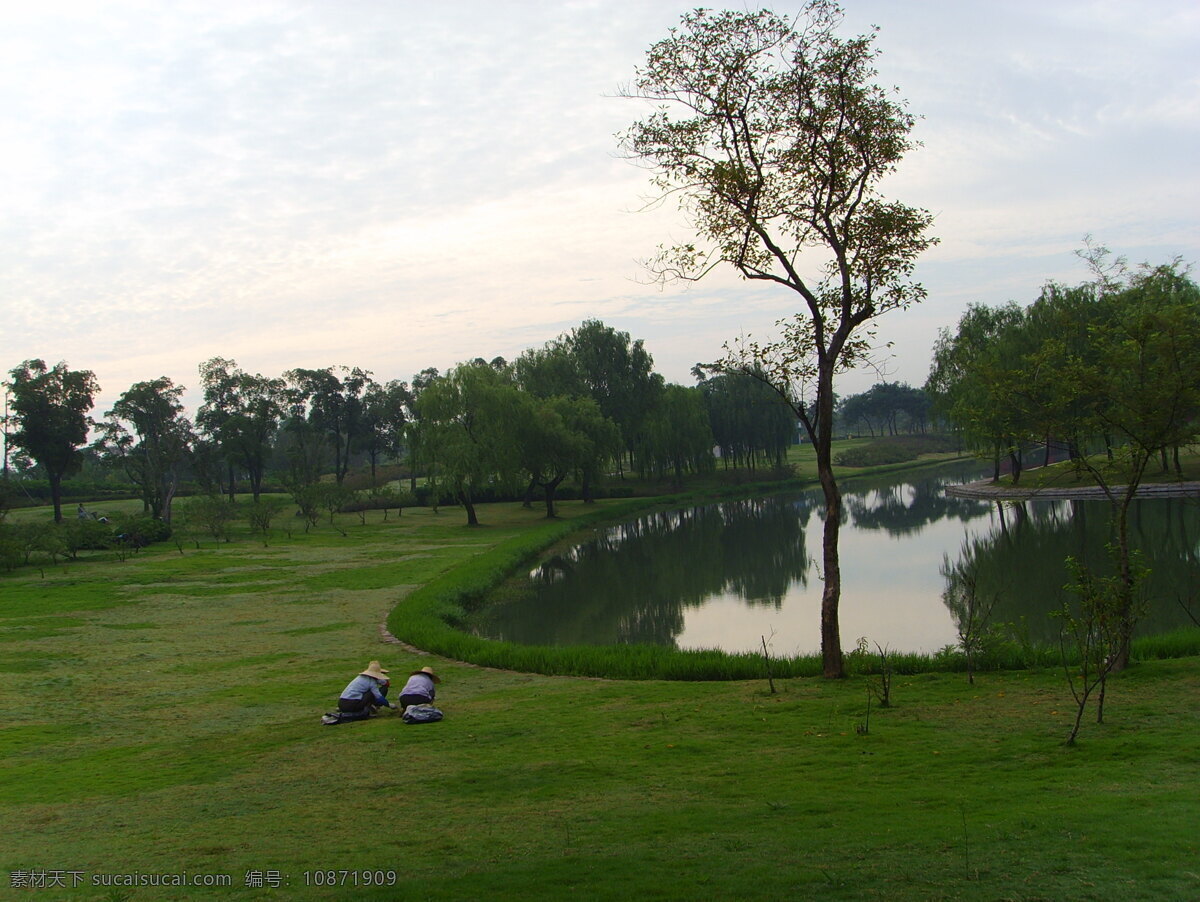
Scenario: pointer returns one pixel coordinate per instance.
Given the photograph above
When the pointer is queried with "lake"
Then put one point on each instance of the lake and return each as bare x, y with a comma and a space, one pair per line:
725, 575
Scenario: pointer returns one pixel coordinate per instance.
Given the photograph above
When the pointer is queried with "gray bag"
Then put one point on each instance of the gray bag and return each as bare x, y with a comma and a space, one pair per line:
421, 714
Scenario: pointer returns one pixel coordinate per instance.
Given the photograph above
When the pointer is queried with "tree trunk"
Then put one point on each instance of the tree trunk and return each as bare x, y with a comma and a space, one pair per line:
831, 638
551, 487
1121, 661
168, 497
56, 494
472, 519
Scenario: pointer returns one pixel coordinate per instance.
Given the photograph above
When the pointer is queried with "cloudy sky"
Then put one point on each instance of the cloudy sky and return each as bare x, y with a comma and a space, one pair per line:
398, 185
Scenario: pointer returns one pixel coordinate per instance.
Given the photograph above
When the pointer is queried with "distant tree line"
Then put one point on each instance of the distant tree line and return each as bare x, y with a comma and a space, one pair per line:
886, 408
1107, 364
584, 405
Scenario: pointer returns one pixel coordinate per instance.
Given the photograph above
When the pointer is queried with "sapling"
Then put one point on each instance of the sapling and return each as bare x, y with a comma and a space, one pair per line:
1098, 630
767, 660
970, 608
883, 691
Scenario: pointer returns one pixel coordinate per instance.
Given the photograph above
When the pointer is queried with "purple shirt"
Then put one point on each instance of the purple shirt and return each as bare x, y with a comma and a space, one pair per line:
419, 684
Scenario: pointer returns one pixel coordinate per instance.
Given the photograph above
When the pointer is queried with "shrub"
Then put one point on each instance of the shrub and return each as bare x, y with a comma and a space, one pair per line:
140, 531
894, 449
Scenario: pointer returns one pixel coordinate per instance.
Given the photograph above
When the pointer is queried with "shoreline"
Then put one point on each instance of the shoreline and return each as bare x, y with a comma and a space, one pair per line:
985, 489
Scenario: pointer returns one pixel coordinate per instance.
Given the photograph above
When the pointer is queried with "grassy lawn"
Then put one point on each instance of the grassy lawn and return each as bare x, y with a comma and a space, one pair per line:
162, 717
1065, 474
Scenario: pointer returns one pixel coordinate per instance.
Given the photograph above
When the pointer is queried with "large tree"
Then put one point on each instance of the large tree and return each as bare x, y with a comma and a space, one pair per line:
386, 413
466, 428
51, 407
747, 418
678, 436
147, 433
331, 400
774, 137
241, 413
618, 374
977, 379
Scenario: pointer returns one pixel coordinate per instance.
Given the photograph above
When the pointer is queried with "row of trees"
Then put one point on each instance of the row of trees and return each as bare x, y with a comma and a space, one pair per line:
1109, 365
584, 404
1111, 362
886, 408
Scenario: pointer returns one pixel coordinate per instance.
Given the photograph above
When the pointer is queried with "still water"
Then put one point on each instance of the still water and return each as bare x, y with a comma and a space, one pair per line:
726, 575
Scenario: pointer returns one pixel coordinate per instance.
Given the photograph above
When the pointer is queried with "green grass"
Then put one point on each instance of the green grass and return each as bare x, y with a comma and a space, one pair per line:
173, 727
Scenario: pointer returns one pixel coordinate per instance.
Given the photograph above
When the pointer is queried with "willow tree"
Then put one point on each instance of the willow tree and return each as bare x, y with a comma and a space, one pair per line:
774, 136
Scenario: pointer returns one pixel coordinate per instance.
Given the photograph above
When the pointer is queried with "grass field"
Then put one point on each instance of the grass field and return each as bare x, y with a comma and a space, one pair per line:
162, 718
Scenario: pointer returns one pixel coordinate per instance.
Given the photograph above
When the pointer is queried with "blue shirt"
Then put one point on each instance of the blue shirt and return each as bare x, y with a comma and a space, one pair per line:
362, 686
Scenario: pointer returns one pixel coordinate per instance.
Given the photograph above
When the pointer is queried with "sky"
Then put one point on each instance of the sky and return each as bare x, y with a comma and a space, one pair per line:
402, 185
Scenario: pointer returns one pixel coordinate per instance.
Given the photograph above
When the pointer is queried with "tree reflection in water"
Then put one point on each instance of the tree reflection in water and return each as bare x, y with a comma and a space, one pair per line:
721, 574
1021, 562
632, 583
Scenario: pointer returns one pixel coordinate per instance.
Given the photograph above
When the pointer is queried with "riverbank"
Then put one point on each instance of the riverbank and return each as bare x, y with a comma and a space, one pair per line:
991, 491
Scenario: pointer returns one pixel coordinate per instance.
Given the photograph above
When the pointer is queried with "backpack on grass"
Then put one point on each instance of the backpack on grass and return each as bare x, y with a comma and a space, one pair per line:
421, 714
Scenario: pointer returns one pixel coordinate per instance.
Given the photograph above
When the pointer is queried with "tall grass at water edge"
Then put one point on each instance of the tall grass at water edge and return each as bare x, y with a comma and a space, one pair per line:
433, 618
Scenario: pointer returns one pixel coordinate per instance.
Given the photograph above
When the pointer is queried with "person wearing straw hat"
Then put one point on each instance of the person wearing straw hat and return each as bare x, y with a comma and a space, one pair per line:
363, 695
419, 688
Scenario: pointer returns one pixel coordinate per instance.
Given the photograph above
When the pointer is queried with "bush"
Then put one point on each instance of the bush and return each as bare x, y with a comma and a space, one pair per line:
140, 531
212, 512
86, 535
894, 449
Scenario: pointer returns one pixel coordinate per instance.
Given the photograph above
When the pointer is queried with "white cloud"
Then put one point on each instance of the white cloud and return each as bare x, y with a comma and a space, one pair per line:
399, 185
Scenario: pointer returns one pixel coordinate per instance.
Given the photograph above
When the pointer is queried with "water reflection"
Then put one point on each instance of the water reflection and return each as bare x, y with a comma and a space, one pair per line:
1021, 562
906, 508
633, 582
721, 576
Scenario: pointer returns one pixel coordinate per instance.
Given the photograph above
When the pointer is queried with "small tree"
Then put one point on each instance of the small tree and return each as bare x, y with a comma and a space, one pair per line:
1096, 633
262, 513
970, 607
213, 513
1136, 381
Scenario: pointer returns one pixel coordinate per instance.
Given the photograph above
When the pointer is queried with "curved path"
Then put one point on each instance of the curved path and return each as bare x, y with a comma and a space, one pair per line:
987, 490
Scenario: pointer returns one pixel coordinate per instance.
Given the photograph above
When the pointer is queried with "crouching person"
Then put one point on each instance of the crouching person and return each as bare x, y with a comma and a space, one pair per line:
419, 690
363, 695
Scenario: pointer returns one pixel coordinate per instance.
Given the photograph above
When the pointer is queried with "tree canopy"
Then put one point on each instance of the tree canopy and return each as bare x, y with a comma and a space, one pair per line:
147, 433
51, 407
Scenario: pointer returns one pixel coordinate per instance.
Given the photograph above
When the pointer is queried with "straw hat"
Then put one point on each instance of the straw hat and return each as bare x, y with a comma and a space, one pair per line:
428, 671
375, 669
